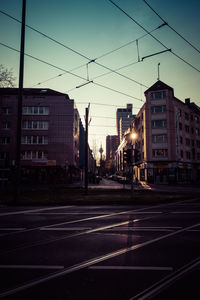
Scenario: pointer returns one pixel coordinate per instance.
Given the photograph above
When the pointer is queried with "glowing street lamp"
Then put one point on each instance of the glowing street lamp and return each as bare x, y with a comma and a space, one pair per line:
133, 137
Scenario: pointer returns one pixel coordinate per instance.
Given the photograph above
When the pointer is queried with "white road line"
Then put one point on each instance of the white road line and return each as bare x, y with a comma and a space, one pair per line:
9, 229
91, 262
131, 268
32, 210
93, 213
40, 267
64, 229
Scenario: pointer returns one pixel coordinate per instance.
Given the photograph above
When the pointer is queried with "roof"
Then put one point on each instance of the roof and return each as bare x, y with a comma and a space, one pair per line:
31, 91
159, 85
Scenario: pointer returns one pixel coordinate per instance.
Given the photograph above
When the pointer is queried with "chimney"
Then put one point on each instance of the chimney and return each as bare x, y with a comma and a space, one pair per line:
187, 101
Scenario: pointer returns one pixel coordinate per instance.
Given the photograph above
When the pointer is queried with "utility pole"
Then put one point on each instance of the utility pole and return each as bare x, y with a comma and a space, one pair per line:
132, 189
86, 149
19, 112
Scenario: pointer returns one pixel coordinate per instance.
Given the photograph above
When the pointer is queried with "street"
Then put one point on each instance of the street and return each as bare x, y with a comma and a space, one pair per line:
100, 252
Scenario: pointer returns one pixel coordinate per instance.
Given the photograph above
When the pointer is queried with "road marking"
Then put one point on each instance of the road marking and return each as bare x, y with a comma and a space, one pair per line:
91, 213
131, 268
64, 229
156, 288
40, 267
91, 262
31, 210
9, 229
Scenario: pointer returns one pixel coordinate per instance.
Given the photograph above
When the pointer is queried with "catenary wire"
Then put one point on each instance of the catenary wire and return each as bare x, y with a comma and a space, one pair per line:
188, 42
156, 39
51, 65
69, 48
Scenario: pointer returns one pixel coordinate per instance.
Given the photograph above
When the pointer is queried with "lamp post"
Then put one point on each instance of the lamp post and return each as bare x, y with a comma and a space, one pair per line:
133, 137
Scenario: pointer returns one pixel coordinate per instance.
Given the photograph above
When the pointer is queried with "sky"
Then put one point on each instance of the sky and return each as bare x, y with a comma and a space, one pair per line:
91, 29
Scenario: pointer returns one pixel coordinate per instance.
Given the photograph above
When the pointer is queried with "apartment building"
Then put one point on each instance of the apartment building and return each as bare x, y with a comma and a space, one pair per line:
168, 138
50, 128
112, 142
124, 118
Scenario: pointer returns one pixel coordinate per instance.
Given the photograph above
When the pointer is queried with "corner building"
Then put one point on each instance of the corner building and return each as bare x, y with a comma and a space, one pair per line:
168, 138
50, 128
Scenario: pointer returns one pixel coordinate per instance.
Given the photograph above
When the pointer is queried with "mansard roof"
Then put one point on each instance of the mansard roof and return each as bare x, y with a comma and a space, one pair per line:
158, 86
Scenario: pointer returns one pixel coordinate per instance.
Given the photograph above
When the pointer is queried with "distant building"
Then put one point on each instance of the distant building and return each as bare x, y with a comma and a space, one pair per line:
168, 138
112, 142
50, 128
124, 118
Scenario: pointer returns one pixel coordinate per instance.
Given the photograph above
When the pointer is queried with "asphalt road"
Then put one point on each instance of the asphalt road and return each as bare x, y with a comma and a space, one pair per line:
100, 252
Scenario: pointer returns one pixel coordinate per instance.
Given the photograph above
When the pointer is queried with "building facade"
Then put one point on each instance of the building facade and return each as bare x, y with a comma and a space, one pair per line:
168, 138
124, 118
112, 142
50, 128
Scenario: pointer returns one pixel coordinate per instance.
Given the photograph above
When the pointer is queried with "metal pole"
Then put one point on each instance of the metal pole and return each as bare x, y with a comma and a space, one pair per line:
132, 190
86, 150
19, 112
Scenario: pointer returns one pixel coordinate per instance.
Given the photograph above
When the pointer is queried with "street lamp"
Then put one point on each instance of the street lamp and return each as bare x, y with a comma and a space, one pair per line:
133, 137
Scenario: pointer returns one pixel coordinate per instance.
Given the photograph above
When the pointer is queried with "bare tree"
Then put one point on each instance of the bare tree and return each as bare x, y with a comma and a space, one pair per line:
6, 77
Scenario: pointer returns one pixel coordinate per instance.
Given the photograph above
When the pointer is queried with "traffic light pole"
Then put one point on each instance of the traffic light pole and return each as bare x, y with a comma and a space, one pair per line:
86, 150
132, 189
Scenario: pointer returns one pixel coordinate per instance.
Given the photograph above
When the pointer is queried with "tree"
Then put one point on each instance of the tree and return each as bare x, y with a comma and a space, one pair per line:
6, 77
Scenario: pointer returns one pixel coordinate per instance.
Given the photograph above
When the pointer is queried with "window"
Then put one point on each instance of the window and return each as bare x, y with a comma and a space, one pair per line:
158, 109
160, 153
186, 116
43, 125
187, 142
35, 110
198, 156
5, 125
181, 153
192, 130
196, 119
181, 140
5, 140
28, 155
187, 128
187, 154
34, 139
4, 155
162, 138
197, 131
198, 144
159, 123
180, 126
193, 153
158, 95
6, 110
191, 117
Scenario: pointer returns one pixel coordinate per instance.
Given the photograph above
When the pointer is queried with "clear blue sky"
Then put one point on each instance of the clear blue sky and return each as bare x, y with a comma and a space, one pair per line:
93, 28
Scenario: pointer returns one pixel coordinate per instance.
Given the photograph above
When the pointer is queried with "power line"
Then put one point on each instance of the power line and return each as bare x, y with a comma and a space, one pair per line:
104, 104
156, 39
51, 65
171, 26
69, 48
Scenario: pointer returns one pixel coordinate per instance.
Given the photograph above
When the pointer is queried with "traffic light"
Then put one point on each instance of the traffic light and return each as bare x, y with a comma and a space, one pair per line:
127, 156
137, 155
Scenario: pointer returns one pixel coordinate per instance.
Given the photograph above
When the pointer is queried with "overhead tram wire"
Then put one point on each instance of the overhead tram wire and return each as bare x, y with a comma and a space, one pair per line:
156, 39
80, 77
188, 42
68, 48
